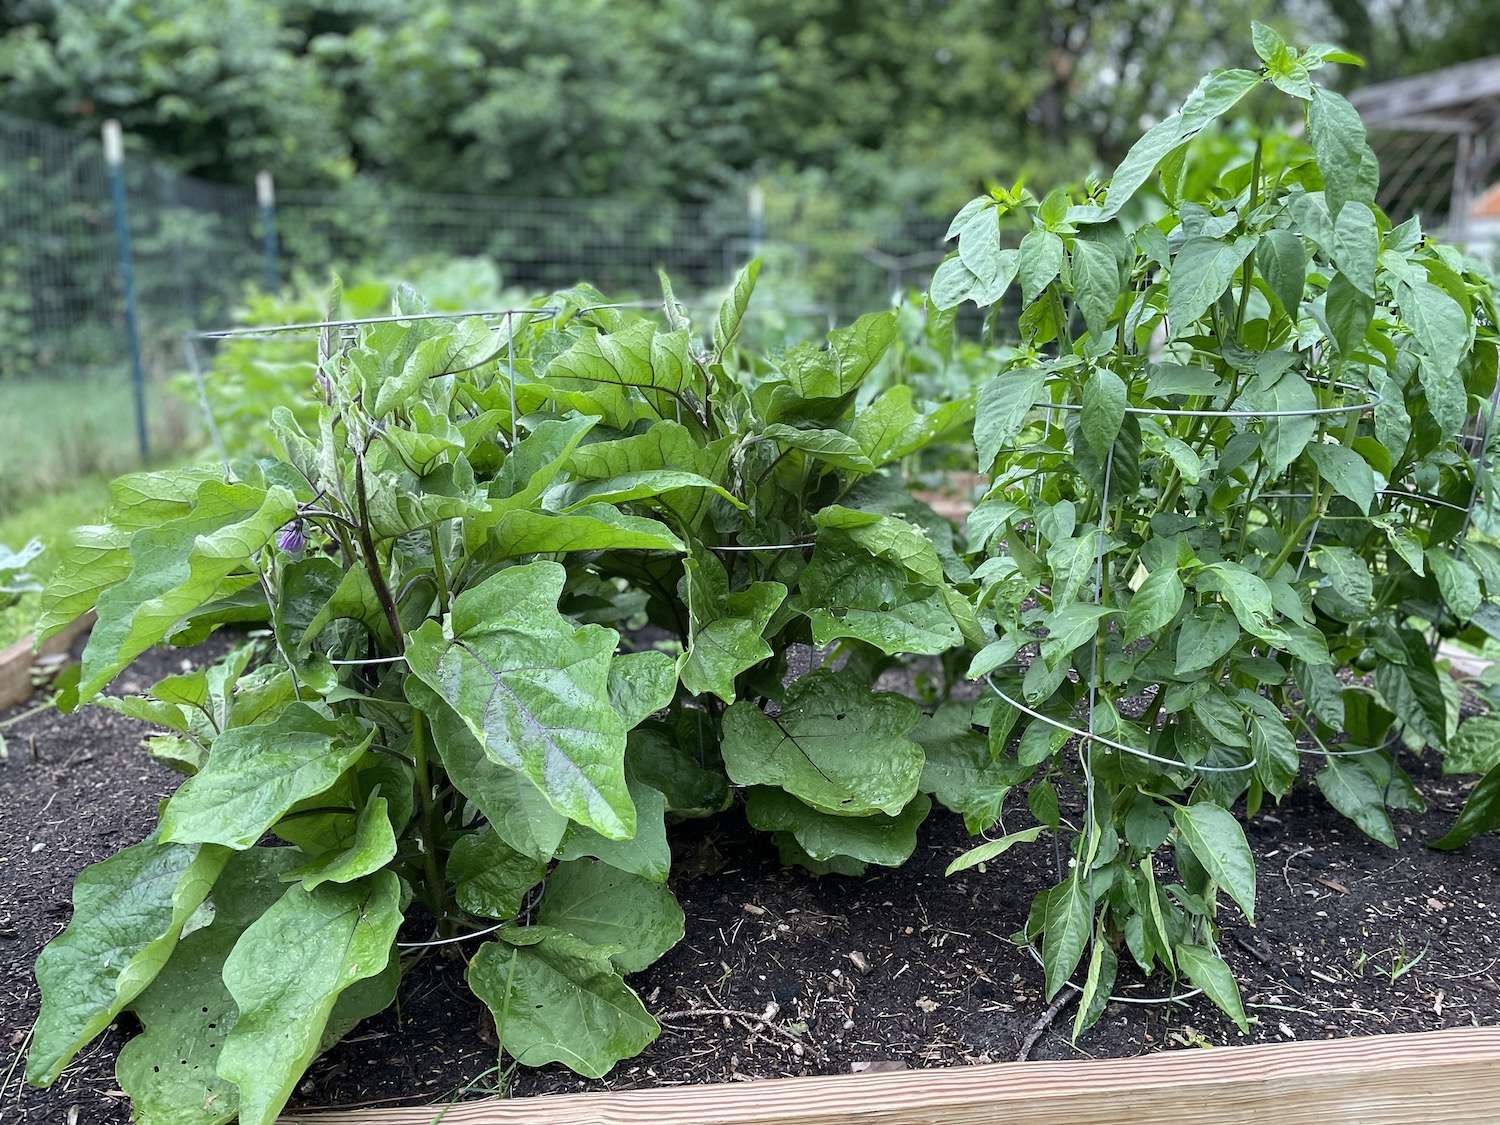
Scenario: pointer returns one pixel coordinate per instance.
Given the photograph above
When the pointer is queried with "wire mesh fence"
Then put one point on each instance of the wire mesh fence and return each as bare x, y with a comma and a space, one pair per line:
197, 251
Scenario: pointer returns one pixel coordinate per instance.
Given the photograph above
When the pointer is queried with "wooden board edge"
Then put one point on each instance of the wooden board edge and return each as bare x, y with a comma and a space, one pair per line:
1427, 1077
16, 660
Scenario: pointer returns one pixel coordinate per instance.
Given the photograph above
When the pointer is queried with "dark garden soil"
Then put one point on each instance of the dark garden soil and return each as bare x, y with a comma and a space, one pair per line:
902, 968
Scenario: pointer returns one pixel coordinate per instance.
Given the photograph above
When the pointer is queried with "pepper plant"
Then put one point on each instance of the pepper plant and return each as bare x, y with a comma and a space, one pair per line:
526, 591
1226, 472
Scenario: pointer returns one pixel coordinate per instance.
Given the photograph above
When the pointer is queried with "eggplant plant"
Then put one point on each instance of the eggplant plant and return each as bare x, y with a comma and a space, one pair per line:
1227, 469
526, 591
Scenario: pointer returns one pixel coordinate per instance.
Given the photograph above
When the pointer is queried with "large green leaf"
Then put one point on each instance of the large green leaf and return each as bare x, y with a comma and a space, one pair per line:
642, 485
1349, 314
993, 849
255, 774
1356, 245
830, 446
95, 557
1218, 843
1039, 263
835, 744
603, 906
557, 998
1348, 588
1216, 94
128, 911
1104, 401
1475, 748
637, 355
1004, 402
177, 567
959, 769
732, 310
646, 853
1066, 924
1096, 281
453, 347
533, 689
592, 527
285, 975
1284, 438
887, 537
1281, 260
526, 473
1414, 693
170, 1068
1154, 605
728, 627
641, 684
1348, 472
1338, 140
851, 354
1247, 594
1441, 327
1458, 582
680, 762
880, 839
516, 808
1069, 628
1481, 813
372, 846
1209, 972
847, 592
892, 427
489, 877
1201, 272
1354, 793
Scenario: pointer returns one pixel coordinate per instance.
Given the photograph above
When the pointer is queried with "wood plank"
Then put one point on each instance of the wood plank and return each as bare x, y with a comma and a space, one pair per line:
1430, 1078
16, 660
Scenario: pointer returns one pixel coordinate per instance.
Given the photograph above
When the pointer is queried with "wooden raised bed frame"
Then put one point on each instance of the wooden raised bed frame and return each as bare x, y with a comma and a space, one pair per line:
1431, 1078
17, 660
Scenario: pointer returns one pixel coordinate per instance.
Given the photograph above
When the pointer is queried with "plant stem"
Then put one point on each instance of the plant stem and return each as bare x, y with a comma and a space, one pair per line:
1313, 515
372, 563
1249, 268
441, 569
435, 896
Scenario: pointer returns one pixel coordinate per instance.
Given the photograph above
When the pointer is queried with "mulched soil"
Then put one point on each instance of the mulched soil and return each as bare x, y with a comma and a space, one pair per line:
902, 968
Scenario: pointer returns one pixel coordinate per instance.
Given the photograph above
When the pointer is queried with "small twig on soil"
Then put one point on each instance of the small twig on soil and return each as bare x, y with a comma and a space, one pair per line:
737, 1014
1285, 876
1259, 954
20, 1054
1064, 998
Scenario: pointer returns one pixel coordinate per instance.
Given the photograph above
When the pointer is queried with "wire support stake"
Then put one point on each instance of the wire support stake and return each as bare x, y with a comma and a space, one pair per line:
1111, 743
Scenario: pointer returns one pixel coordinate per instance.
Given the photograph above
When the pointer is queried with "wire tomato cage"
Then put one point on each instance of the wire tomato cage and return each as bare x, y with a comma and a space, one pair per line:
337, 336
1088, 737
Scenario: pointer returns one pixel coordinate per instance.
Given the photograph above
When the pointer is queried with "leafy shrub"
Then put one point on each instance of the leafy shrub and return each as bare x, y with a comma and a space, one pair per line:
1226, 471
453, 731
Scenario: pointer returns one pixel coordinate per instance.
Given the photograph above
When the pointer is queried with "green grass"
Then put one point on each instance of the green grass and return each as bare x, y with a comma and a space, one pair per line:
57, 433
48, 519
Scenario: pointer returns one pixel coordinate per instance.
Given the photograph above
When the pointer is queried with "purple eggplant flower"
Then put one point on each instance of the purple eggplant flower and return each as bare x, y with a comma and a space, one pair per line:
292, 541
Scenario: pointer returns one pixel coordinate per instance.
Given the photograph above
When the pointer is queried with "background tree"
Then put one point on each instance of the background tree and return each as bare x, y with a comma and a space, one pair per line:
906, 104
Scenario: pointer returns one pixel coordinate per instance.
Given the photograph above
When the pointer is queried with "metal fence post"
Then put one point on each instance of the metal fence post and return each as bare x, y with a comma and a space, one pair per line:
265, 196
756, 206
114, 166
